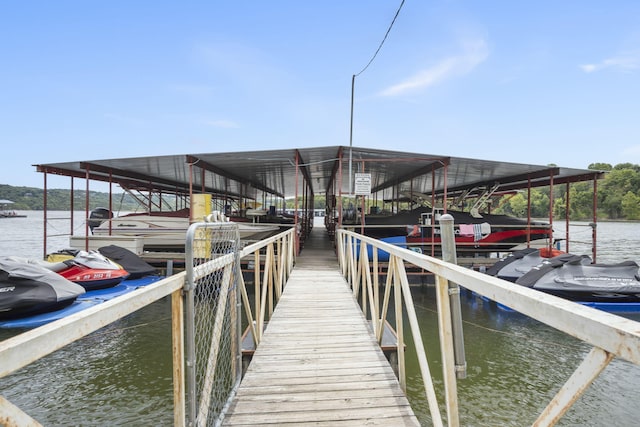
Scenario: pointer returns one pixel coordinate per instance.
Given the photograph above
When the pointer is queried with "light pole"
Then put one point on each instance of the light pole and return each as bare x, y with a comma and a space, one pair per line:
353, 82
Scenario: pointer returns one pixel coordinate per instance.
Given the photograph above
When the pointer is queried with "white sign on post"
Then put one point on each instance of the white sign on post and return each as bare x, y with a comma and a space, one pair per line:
363, 184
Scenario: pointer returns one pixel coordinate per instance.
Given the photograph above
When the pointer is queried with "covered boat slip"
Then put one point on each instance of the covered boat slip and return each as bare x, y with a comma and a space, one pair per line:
270, 177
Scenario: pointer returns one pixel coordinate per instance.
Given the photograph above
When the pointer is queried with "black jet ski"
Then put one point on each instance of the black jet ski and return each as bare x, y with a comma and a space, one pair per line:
27, 289
577, 280
135, 266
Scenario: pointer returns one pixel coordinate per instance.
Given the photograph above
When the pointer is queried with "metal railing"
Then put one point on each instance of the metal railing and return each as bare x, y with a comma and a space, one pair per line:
205, 321
213, 292
610, 336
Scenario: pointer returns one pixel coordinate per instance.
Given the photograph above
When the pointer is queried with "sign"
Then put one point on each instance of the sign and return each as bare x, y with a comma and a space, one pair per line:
363, 184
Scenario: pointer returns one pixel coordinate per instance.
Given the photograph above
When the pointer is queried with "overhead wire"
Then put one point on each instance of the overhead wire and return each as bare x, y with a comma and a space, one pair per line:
383, 39
353, 82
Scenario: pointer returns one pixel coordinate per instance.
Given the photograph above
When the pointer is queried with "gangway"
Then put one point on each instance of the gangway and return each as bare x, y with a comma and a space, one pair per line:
318, 361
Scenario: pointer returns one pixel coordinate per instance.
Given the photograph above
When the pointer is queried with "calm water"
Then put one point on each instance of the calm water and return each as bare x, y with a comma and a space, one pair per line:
121, 375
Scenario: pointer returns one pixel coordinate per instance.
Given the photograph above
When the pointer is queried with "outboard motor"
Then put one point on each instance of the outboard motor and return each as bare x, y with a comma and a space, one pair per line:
98, 216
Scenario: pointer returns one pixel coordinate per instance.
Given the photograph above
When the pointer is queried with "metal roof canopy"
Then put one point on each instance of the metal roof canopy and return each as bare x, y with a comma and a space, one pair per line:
243, 174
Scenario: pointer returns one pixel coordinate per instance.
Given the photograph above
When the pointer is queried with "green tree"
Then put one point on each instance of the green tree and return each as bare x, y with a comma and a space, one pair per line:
517, 205
618, 182
631, 206
581, 201
600, 166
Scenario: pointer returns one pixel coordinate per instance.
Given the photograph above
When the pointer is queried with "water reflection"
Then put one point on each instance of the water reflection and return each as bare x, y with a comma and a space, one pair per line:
119, 375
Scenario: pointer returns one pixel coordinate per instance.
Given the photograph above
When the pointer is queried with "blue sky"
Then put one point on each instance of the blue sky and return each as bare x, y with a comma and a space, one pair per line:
529, 82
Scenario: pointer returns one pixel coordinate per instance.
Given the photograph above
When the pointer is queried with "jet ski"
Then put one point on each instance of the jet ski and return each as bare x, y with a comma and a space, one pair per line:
91, 269
135, 266
577, 280
27, 289
520, 262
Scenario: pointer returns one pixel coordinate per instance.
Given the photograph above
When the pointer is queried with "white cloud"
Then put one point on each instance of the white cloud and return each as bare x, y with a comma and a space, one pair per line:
474, 53
626, 62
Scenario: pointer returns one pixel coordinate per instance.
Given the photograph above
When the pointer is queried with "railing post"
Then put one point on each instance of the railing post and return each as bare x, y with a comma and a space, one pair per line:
189, 333
449, 255
450, 324
177, 343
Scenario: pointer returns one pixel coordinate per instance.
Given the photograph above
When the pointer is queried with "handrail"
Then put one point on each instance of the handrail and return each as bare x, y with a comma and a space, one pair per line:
23, 349
610, 335
268, 287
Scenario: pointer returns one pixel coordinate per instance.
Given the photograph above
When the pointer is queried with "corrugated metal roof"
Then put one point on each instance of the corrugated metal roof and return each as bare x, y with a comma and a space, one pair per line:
274, 172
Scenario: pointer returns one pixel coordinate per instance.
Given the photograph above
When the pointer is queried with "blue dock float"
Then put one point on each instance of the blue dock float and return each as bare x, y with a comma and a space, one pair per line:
83, 302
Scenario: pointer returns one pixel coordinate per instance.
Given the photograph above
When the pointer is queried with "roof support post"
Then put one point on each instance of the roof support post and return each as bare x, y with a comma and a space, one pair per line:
340, 192
567, 208
295, 209
594, 232
362, 208
71, 210
86, 207
551, 174
110, 199
44, 216
528, 211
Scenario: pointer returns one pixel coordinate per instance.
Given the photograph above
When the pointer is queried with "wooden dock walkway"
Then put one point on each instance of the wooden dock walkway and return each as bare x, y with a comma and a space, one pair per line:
319, 363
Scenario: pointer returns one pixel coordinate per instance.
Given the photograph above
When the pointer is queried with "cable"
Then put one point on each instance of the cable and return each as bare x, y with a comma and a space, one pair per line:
353, 82
383, 40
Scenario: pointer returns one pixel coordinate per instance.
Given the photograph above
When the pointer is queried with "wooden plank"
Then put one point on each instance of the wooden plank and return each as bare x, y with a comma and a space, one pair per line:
318, 362
265, 406
308, 377
308, 414
318, 396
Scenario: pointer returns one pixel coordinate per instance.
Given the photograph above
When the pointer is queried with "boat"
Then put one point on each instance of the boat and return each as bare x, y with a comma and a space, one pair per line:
11, 214
418, 229
163, 231
28, 289
89, 269
578, 280
8, 213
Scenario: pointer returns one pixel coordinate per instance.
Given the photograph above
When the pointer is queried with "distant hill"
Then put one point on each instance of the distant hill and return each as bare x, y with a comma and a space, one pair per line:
29, 198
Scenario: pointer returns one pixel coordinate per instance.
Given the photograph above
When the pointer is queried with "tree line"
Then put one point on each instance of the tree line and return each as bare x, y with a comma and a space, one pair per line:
618, 198
32, 199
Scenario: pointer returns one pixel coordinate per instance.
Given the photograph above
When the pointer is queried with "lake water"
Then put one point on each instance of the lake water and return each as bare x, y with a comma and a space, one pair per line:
122, 374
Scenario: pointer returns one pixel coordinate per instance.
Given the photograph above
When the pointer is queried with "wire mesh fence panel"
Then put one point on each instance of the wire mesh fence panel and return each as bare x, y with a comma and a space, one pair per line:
212, 321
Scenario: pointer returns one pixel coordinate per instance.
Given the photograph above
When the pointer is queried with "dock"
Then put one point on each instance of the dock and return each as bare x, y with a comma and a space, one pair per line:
318, 362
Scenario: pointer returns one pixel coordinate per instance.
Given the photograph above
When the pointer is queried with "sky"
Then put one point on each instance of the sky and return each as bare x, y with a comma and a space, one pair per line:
535, 82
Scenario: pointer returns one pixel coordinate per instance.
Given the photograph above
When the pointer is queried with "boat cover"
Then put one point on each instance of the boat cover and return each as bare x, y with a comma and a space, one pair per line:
135, 266
519, 263
83, 302
507, 267
581, 281
27, 288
